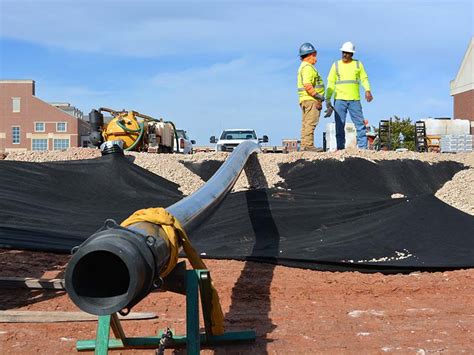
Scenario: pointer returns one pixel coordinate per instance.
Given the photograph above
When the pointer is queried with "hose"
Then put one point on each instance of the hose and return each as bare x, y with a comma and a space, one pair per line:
175, 134
141, 129
140, 136
126, 129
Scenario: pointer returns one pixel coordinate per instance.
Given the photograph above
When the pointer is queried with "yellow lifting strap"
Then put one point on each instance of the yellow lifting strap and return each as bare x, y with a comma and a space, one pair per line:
175, 236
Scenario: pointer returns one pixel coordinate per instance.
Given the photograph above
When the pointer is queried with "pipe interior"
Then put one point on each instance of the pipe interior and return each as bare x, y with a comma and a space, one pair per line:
101, 277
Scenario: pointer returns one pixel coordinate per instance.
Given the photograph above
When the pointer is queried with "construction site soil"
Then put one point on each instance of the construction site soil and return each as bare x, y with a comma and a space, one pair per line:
292, 310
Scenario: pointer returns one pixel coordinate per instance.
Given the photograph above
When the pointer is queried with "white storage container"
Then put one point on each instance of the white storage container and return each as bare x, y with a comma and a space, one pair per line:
351, 136
331, 144
435, 127
458, 127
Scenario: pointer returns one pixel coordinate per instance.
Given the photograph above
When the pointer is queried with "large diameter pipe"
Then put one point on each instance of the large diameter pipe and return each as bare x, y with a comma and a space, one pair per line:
117, 267
191, 210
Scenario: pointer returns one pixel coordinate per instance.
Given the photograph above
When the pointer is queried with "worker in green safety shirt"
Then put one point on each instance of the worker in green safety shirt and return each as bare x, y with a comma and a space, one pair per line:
343, 81
310, 93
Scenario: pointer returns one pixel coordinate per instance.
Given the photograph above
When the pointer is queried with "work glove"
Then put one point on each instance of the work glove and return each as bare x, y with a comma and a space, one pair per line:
319, 97
329, 109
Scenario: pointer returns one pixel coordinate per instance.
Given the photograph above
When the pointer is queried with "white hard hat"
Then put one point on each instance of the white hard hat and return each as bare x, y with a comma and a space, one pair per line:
348, 47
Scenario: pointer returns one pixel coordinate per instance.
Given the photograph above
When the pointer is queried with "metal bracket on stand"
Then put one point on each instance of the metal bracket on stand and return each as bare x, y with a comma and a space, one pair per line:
197, 282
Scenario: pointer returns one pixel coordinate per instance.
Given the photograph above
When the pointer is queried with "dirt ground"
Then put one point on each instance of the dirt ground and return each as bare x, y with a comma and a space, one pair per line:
292, 310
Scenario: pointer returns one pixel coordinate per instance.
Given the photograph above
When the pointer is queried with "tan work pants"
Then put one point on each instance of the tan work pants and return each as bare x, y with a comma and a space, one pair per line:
310, 121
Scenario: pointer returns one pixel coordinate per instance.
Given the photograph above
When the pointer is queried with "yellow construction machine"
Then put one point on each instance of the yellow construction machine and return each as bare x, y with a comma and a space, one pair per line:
135, 131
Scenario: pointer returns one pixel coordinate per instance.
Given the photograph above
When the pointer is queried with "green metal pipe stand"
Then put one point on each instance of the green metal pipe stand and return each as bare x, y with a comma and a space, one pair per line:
195, 281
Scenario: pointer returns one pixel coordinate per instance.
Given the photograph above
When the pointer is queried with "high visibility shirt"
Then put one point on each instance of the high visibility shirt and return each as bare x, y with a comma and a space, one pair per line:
307, 74
343, 80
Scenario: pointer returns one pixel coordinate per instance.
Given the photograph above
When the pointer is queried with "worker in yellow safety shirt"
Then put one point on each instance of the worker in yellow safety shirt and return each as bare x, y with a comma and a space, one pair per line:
343, 81
310, 93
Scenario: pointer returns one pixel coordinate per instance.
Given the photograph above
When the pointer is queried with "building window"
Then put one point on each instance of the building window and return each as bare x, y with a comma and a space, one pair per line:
60, 144
16, 135
39, 126
39, 144
16, 104
61, 127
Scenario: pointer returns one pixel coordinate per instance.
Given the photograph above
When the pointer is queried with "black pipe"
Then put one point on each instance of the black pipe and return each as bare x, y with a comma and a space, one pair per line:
117, 267
193, 209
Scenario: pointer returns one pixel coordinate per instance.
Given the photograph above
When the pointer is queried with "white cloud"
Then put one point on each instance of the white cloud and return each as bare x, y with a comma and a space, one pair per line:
154, 28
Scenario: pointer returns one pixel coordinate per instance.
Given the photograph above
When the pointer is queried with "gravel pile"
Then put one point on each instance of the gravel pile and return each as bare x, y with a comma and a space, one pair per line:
262, 171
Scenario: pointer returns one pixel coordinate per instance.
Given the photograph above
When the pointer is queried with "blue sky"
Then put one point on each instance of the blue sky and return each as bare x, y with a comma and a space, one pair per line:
209, 65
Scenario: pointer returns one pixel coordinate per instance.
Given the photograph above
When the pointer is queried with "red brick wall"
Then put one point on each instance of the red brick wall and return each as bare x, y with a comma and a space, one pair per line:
464, 106
32, 110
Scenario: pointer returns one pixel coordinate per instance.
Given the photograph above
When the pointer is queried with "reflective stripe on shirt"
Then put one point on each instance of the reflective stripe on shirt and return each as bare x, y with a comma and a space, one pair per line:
339, 81
315, 86
318, 79
347, 82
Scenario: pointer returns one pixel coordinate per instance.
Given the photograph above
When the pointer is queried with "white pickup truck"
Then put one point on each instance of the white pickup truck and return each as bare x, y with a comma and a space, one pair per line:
185, 145
231, 138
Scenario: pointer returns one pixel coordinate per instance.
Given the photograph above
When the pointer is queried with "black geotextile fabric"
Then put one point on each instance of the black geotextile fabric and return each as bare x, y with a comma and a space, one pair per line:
327, 215
333, 215
55, 206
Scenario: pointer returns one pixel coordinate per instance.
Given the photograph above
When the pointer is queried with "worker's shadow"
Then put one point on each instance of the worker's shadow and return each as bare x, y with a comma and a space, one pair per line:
250, 299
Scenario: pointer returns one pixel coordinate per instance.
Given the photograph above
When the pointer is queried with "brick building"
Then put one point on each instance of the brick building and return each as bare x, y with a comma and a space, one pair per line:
462, 88
291, 145
29, 123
